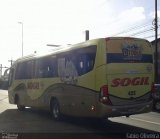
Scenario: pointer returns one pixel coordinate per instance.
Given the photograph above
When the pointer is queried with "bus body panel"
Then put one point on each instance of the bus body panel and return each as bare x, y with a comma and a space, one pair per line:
125, 110
129, 71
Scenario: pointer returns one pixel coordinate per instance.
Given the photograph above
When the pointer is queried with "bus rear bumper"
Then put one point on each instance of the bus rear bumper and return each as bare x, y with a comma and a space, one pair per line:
125, 110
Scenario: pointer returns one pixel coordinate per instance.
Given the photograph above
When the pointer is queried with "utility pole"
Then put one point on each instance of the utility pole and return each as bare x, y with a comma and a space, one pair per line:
156, 52
87, 34
11, 61
1, 67
22, 36
0, 70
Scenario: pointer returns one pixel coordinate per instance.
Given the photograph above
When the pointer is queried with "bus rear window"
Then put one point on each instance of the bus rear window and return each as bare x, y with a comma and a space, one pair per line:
120, 58
122, 51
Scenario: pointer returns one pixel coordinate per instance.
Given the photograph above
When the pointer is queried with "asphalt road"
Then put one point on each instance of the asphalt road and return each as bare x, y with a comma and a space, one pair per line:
38, 124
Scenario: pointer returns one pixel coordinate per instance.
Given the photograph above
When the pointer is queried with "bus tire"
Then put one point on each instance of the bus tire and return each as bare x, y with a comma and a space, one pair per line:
20, 107
156, 105
55, 109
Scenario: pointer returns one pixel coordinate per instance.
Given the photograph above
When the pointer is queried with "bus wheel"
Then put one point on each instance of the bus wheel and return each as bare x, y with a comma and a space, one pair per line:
20, 107
157, 106
55, 109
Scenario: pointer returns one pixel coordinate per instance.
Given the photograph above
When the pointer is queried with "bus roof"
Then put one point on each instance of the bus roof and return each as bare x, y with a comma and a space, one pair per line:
70, 47
63, 48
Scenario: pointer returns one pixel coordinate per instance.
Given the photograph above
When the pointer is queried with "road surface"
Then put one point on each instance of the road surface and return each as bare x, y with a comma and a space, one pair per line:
33, 122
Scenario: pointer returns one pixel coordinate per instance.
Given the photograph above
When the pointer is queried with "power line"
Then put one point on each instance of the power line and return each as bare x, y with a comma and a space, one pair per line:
145, 25
138, 33
142, 32
151, 36
133, 28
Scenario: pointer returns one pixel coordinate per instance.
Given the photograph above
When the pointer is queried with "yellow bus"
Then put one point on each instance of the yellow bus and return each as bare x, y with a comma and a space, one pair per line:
99, 78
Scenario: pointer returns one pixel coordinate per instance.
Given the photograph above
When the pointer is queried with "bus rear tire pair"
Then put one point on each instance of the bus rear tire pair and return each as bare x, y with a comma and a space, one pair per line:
156, 105
20, 107
55, 109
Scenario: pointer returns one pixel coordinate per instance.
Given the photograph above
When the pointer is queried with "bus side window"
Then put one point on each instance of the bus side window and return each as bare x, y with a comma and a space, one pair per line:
40, 68
46, 68
30, 70
25, 70
21, 71
10, 79
85, 59
82, 64
55, 67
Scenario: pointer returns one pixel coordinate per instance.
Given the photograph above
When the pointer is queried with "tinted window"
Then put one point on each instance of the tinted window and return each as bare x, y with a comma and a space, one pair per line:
21, 71
25, 70
10, 79
122, 51
85, 59
30, 72
46, 68
80, 61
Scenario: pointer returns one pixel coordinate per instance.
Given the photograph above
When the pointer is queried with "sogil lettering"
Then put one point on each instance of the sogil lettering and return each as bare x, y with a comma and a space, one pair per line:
33, 85
130, 81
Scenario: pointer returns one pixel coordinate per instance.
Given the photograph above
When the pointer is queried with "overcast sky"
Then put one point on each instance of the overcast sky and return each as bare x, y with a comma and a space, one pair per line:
64, 22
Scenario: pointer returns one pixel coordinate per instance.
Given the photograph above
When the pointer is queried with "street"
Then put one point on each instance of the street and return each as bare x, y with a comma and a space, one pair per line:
38, 121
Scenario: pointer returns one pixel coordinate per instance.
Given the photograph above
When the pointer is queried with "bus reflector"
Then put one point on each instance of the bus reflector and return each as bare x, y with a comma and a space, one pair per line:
104, 95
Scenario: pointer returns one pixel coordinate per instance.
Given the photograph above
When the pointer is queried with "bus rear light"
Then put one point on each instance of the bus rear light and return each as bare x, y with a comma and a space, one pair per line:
104, 95
104, 91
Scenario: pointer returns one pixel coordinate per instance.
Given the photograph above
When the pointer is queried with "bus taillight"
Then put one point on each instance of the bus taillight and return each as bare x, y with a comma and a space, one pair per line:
104, 95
